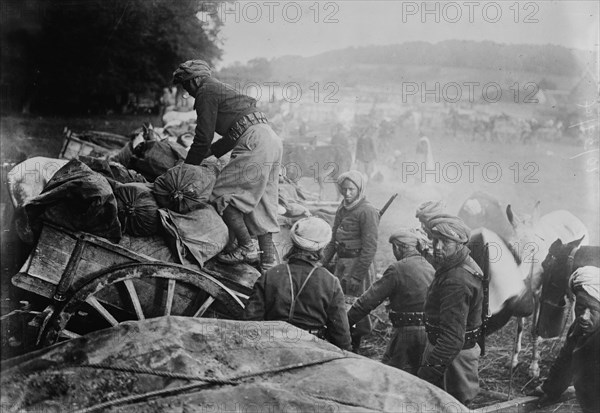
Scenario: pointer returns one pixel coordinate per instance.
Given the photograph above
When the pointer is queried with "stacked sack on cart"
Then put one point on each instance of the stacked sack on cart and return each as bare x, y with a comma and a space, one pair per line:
145, 198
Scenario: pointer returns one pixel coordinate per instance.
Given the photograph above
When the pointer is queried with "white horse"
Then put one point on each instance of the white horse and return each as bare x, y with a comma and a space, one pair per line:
516, 281
530, 244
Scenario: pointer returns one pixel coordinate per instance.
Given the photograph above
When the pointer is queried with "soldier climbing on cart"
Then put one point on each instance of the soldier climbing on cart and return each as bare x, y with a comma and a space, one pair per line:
246, 200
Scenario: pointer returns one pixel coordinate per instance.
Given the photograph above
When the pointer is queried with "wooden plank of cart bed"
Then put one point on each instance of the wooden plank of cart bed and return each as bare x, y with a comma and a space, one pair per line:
522, 404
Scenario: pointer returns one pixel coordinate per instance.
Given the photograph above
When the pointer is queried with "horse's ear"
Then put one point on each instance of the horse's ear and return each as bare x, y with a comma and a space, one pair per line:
145, 127
576, 243
535, 216
512, 218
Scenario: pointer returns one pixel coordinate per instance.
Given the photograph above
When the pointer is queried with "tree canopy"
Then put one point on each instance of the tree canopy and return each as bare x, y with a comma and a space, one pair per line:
94, 52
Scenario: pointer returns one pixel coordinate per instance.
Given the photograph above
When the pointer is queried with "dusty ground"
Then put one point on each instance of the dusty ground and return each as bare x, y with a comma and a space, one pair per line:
517, 174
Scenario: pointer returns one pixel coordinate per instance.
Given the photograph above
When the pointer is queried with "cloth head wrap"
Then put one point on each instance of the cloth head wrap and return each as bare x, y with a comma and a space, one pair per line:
429, 209
587, 279
450, 227
191, 69
358, 179
409, 236
311, 234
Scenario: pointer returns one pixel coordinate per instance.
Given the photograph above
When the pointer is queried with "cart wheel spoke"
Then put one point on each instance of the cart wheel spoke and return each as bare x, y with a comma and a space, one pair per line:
134, 299
145, 286
69, 334
204, 306
170, 295
91, 300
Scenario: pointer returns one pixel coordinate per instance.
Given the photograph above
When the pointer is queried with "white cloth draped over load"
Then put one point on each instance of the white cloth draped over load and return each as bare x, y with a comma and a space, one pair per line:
198, 364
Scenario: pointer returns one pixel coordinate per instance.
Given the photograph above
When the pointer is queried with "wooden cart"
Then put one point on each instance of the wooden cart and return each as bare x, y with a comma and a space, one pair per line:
92, 283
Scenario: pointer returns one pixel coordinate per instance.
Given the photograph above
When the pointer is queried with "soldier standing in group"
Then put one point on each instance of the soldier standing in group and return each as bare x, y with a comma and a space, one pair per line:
405, 283
453, 312
355, 242
302, 292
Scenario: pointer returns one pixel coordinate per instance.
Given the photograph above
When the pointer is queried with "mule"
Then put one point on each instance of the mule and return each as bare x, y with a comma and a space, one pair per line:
527, 240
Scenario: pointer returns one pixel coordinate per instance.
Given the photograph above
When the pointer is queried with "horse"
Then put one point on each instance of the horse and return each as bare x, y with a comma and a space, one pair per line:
522, 245
562, 260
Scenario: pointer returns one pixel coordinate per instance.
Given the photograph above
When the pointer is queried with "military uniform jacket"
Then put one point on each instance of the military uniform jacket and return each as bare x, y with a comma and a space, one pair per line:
355, 229
320, 303
454, 305
218, 106
405, 282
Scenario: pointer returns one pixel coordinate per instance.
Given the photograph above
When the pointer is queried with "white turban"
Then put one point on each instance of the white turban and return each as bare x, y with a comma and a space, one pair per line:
588, 279
311, 234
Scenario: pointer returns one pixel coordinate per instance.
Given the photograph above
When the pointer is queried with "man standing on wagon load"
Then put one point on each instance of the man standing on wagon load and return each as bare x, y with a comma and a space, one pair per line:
245, 192
355, 242
405, 283
453, 312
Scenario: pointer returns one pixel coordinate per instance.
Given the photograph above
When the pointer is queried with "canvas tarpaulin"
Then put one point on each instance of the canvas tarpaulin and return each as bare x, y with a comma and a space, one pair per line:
270, 366
78, 199
196, 236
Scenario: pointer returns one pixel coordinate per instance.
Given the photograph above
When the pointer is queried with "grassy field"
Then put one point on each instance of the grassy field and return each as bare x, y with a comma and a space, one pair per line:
514, 173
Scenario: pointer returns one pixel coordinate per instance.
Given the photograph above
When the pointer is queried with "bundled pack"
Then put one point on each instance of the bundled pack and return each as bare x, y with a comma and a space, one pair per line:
184, 188
111, 169
195, 237
154, 158
77, 199
137, 209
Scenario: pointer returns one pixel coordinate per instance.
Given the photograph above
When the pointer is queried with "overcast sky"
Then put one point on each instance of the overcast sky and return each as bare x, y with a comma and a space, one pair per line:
274, 28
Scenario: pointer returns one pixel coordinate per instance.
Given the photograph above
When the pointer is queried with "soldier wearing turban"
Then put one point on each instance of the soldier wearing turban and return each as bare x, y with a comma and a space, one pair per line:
354, 242
302, 292
427, 210
247, 202
405, 283
579, 361
453, 312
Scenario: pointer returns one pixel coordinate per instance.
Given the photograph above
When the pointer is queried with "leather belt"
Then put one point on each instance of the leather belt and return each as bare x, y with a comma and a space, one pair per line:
240, 126
348, 252
405, 319
471, 336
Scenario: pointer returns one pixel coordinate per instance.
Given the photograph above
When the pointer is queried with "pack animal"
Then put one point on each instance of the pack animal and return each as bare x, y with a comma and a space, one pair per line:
519, 269
323, 163
562, 260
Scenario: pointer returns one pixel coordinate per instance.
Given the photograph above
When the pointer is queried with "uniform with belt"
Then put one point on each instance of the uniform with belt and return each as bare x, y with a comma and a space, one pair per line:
245, 192
453, 319
355, 243
405, 283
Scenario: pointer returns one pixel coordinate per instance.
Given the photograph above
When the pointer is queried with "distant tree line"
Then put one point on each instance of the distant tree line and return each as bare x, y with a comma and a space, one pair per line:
90, 55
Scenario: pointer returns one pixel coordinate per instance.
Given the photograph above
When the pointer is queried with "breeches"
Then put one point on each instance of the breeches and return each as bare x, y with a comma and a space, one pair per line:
405, 348
249, 182
461, 379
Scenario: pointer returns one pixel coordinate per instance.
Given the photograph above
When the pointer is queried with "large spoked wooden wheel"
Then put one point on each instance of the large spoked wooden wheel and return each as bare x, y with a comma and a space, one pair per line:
135, 292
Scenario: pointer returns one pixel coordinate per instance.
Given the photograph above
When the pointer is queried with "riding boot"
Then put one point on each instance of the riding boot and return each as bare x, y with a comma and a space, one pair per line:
268, 253
246, 250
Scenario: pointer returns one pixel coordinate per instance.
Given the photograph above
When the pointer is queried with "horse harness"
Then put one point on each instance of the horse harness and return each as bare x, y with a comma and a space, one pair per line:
571, 259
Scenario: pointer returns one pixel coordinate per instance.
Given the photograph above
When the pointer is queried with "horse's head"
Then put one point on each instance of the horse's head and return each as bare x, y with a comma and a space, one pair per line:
558, 257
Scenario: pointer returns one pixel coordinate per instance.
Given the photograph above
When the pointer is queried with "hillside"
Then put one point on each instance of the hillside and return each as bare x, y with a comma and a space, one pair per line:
453, 60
